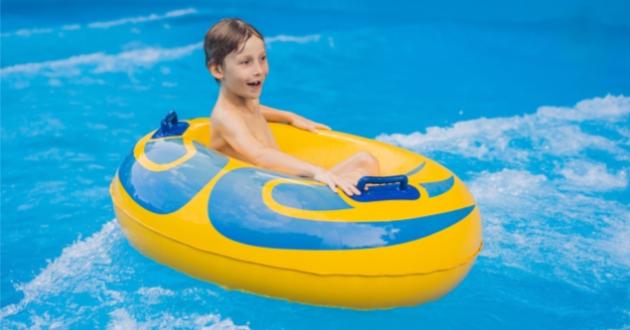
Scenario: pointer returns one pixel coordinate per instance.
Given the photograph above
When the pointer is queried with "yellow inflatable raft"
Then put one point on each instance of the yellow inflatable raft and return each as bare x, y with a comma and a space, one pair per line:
405, 240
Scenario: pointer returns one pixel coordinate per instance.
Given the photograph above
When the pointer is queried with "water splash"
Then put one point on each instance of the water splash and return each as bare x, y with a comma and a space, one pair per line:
27, 32
552, 187
91, 280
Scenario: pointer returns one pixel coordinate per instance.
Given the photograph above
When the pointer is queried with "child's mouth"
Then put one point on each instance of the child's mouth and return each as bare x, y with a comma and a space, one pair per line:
254, 83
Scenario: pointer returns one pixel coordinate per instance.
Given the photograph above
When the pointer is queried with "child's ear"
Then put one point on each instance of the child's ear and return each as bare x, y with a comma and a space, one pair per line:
216, 71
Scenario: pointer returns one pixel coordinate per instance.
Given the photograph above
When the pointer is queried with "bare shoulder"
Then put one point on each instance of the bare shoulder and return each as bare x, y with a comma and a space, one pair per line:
220, 118
266, 107
228, 122
217, 114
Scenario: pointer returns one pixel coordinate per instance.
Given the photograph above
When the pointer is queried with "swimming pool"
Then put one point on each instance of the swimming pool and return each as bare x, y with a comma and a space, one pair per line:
524, 103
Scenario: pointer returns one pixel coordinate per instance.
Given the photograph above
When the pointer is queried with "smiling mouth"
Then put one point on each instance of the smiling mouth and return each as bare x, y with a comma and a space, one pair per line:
255, 83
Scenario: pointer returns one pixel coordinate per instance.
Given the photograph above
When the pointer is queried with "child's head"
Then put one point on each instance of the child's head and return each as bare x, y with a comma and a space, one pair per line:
236, 56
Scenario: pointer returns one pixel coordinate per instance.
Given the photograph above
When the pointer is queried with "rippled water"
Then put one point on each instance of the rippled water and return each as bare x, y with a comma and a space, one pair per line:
526, 104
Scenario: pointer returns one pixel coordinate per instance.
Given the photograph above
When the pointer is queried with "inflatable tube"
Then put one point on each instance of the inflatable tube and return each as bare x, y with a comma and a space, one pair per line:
405, 240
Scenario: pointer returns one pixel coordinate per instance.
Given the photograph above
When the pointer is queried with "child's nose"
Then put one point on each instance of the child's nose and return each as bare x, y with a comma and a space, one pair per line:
260, 68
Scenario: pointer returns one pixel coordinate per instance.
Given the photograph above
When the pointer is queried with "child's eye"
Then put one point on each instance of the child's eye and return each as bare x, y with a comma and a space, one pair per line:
262, 58
245, 62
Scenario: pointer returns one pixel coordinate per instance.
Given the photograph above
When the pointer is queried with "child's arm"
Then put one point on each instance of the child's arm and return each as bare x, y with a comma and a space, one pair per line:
287, 117
237, 135
275, 115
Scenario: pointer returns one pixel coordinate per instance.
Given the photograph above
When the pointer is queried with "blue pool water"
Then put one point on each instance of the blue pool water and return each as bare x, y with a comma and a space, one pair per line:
524, 102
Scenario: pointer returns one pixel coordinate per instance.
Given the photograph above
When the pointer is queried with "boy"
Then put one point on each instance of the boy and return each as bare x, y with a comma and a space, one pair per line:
236, 57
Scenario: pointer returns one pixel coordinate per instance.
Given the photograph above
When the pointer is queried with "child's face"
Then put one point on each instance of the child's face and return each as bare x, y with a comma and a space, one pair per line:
244, 72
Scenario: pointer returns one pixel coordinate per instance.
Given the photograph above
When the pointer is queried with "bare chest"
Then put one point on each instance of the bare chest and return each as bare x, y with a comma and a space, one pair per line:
257, 126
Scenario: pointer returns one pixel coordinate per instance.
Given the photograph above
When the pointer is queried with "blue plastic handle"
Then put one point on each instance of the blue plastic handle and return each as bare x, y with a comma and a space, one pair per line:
169, 120
394, 187
401, 179
170, 126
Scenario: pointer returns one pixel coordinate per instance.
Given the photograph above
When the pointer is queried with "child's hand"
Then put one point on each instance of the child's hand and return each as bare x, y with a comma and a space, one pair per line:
306, 124
333, 180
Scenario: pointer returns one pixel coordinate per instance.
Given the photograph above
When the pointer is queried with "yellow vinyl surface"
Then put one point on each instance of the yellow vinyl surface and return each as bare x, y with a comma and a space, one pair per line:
384, 276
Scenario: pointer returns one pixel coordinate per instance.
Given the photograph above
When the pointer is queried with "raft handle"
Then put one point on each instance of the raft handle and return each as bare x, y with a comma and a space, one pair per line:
170, 126
364, 181
385, 189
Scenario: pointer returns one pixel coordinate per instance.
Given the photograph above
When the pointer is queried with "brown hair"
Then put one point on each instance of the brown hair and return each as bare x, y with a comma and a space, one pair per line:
226, 36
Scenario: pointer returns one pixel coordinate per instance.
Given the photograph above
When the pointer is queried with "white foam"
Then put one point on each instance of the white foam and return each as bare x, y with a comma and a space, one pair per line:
591, 176
123, 320
153, 295
68, 272
142, 19
607, 108
293, 39
126, 61
618, 244
97, 268
530, 223
26, 32
101, 63
546, 132
544, 209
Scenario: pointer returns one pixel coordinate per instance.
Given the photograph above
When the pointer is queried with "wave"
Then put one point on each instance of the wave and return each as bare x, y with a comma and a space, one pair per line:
543, 182
126, 61
84, 282
101, 62
295, 39
143, 19
70, 268
551, 131
27, 32
105, 24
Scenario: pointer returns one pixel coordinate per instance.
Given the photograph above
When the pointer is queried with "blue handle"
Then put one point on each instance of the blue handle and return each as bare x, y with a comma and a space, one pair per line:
170, 126
401, 179
169, 121
394, 187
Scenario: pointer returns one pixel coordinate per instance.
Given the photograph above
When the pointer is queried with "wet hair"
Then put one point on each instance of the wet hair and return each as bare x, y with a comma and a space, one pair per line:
226, 36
